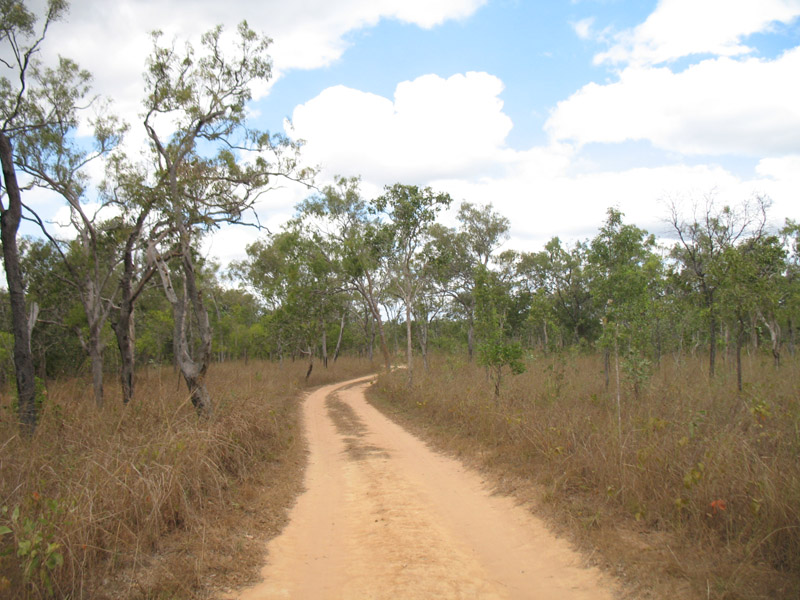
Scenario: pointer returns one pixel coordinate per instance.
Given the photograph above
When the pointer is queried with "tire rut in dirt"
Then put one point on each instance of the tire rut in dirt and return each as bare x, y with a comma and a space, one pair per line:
353, 430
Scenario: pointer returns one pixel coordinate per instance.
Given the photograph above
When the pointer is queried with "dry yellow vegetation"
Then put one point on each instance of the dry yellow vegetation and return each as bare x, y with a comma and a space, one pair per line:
699, 496
149, 500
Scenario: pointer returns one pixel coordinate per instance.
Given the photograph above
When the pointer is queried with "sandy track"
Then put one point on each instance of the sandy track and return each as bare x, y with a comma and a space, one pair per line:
385, 517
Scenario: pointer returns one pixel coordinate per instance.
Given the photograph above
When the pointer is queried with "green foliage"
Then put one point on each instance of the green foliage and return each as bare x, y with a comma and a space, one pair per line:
497, 353
637, 369
6, 357
496, 350
39, 398
34, 542
562, 273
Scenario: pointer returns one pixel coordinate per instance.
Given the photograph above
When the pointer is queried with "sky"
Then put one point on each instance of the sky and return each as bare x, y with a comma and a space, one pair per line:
550, 111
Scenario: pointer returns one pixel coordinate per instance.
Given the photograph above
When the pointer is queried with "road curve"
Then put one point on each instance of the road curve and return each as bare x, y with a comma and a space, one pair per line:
383, 516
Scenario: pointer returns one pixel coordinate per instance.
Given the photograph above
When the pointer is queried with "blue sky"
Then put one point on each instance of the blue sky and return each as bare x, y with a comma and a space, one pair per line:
552, 111
531, 46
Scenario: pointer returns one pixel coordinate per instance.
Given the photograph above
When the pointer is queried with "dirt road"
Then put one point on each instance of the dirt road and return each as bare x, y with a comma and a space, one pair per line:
385, 517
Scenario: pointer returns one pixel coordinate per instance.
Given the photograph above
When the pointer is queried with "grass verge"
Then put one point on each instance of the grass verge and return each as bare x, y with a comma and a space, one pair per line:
148, 500
689, 490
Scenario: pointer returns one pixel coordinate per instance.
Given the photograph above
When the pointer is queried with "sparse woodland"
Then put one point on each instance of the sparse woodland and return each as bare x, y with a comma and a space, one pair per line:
646, 385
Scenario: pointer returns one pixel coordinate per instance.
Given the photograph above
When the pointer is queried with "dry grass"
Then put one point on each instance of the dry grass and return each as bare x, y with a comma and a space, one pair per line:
698, 498
148, 501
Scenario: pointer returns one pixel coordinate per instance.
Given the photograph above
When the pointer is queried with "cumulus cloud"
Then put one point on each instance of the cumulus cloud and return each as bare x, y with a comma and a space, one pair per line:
433, 127
112, 39
450, 134
556, 201
679, 28
718, 106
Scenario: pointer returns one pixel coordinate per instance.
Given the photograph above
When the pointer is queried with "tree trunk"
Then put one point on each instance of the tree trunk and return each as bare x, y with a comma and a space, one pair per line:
124, 331
726, 335
201, 399
546, 340
339, 339
387, 359
712, 341
371, 340
96, 358
396, 325
310, 363
409, 348
324, 344
193, 371
23, 358
123, 326
471, 337
423, 341
372, 305
739, 344
775, 338
619, 395
32, 317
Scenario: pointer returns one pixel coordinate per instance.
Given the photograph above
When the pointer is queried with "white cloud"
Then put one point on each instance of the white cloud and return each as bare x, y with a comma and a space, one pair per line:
111, 39
780, 180
309, 33
718, 106
784, 168
679, 28
434, 127
545, 191
583, 28
554, 201
450, 134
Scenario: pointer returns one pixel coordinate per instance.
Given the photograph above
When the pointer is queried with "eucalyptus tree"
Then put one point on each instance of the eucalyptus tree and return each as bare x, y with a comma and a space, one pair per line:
235, 319
480, 232
494, 307
560, 273
56, 160
59, 311
703, 240
296, 283
774, 288
210, 167
790, 306
532, 270
624, 275
125, 188
346, 229
429, 304
751, 287
410, 212
25, 107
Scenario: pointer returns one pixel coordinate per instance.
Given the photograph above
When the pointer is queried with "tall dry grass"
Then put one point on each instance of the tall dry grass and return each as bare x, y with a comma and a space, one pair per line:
89, 501
709, 476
